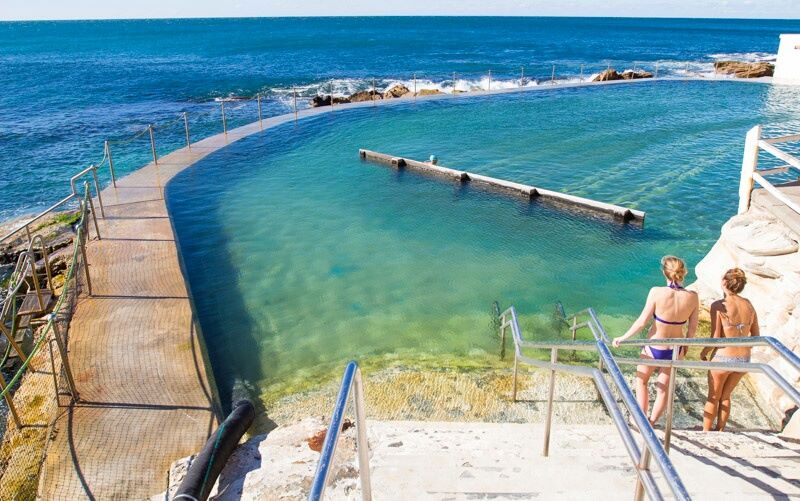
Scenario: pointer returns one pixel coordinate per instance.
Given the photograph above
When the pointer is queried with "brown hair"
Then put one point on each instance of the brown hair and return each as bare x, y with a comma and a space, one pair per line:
734, 280
673, 268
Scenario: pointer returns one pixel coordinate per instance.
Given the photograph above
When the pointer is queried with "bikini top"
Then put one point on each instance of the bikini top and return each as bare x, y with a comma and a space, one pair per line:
677, 287
739, 327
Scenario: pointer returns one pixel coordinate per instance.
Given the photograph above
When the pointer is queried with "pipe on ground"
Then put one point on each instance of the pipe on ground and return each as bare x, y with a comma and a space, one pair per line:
207, 466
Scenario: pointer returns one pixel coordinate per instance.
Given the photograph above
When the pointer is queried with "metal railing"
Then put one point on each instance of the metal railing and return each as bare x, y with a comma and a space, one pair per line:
751, 174
674, 364
351, 384
640, 457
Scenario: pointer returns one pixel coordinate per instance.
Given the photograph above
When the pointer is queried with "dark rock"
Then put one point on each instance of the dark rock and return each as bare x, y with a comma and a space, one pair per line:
318, 101
741, 69
635, 75
341, 100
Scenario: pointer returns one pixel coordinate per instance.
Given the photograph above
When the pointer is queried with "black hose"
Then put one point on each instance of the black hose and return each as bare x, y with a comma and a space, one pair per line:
207, 466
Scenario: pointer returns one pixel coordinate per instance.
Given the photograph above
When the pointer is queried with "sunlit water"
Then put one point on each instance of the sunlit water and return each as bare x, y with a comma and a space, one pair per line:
300, 256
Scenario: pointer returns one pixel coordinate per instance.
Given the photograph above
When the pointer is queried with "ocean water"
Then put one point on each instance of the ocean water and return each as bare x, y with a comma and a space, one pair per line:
300, 256
67, 86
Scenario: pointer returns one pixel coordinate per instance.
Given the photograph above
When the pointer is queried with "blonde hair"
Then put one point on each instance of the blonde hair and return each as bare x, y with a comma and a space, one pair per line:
674, 268
734, 280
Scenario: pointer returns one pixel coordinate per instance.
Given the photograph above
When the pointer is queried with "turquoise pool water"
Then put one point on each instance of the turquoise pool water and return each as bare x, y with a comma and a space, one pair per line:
300, 256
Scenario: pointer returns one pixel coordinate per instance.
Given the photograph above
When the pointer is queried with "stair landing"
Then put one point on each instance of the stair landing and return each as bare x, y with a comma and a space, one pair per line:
455, 461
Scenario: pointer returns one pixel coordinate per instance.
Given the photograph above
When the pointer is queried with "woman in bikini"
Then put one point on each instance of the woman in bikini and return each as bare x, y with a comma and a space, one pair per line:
732, 316
671, 308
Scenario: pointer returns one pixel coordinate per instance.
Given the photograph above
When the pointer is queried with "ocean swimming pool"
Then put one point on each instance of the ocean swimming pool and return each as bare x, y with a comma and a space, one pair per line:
300, 256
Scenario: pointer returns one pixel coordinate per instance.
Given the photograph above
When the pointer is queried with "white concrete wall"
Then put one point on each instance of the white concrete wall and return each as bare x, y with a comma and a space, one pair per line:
787, 67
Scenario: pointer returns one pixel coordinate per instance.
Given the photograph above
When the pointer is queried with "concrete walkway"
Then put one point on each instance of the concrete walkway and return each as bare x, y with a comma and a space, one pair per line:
145, 397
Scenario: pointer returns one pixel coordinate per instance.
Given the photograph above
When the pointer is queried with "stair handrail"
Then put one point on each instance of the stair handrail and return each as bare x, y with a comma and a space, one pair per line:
652, 447
352, 384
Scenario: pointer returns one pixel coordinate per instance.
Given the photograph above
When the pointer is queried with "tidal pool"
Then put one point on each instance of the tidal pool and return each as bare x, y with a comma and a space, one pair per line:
300, 256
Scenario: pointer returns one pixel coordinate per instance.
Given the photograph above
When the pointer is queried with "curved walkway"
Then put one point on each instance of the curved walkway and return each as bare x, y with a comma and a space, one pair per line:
145, 397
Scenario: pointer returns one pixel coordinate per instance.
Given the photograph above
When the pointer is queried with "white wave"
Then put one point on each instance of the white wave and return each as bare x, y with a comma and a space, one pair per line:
750, 57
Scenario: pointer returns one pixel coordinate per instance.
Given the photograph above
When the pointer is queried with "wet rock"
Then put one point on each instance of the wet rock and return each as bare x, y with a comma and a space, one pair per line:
319, 101
635, 75
429, 92
741, 69
398, 90
365, 95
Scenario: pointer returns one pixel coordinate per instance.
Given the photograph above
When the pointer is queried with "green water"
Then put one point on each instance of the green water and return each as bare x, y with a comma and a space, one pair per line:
301, 257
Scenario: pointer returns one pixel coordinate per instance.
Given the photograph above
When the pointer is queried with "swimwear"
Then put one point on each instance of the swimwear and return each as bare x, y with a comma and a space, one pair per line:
677, 287
660, 354
724, 359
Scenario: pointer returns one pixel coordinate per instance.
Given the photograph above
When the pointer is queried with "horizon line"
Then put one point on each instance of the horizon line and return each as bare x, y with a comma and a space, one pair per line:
409, 16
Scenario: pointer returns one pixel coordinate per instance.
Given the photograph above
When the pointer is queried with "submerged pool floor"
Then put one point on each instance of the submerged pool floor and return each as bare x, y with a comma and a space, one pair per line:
300, 257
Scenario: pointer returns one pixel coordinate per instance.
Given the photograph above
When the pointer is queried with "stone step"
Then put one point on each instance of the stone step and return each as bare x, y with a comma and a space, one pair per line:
449, 461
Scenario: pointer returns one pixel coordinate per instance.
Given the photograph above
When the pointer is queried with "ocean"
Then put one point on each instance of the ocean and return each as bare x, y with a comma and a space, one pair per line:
65, 87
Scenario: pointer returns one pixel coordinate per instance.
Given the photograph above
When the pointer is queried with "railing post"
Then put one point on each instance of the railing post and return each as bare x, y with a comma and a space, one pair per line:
644, 464
373, 92
97, 189
294, 103
454, 83
522, 76
260, 119
64, 359
514, 384
153, 144
186, 128
581, 73
224, 121
503, 338
88, 196
28, 233
489, 87
53, 367
553, 76
110, 164
749, 166
361, 437
673, 373
415, 87
548, 419
10, 402
82, 245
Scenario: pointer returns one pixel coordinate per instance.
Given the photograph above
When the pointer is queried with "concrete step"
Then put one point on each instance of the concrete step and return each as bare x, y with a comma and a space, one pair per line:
454, 461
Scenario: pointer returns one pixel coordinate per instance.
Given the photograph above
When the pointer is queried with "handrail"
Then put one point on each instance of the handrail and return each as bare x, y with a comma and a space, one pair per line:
26, 225
652, 446
351, 384
751, 174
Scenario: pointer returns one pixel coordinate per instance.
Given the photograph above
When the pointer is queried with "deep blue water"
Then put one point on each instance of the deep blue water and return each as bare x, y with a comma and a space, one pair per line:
67, 86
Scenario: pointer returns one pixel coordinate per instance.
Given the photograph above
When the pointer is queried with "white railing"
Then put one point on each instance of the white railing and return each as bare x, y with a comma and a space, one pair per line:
751, 174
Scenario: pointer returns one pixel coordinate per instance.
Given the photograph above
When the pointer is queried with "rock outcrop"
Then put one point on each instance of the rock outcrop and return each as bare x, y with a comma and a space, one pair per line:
741, 69
365, 95
429, 92
398, 90
767, 250
319, 101
612, 74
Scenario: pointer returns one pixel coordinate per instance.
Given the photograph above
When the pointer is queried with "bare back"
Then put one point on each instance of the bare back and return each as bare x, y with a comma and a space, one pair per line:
673, 309
734, 316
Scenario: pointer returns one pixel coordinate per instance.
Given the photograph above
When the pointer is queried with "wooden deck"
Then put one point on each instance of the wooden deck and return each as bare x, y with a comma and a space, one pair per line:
762, 199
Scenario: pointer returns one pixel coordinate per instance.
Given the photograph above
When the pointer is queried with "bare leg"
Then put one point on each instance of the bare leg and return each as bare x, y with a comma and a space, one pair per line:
725, 399
716, 381
643, 373
661, 395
